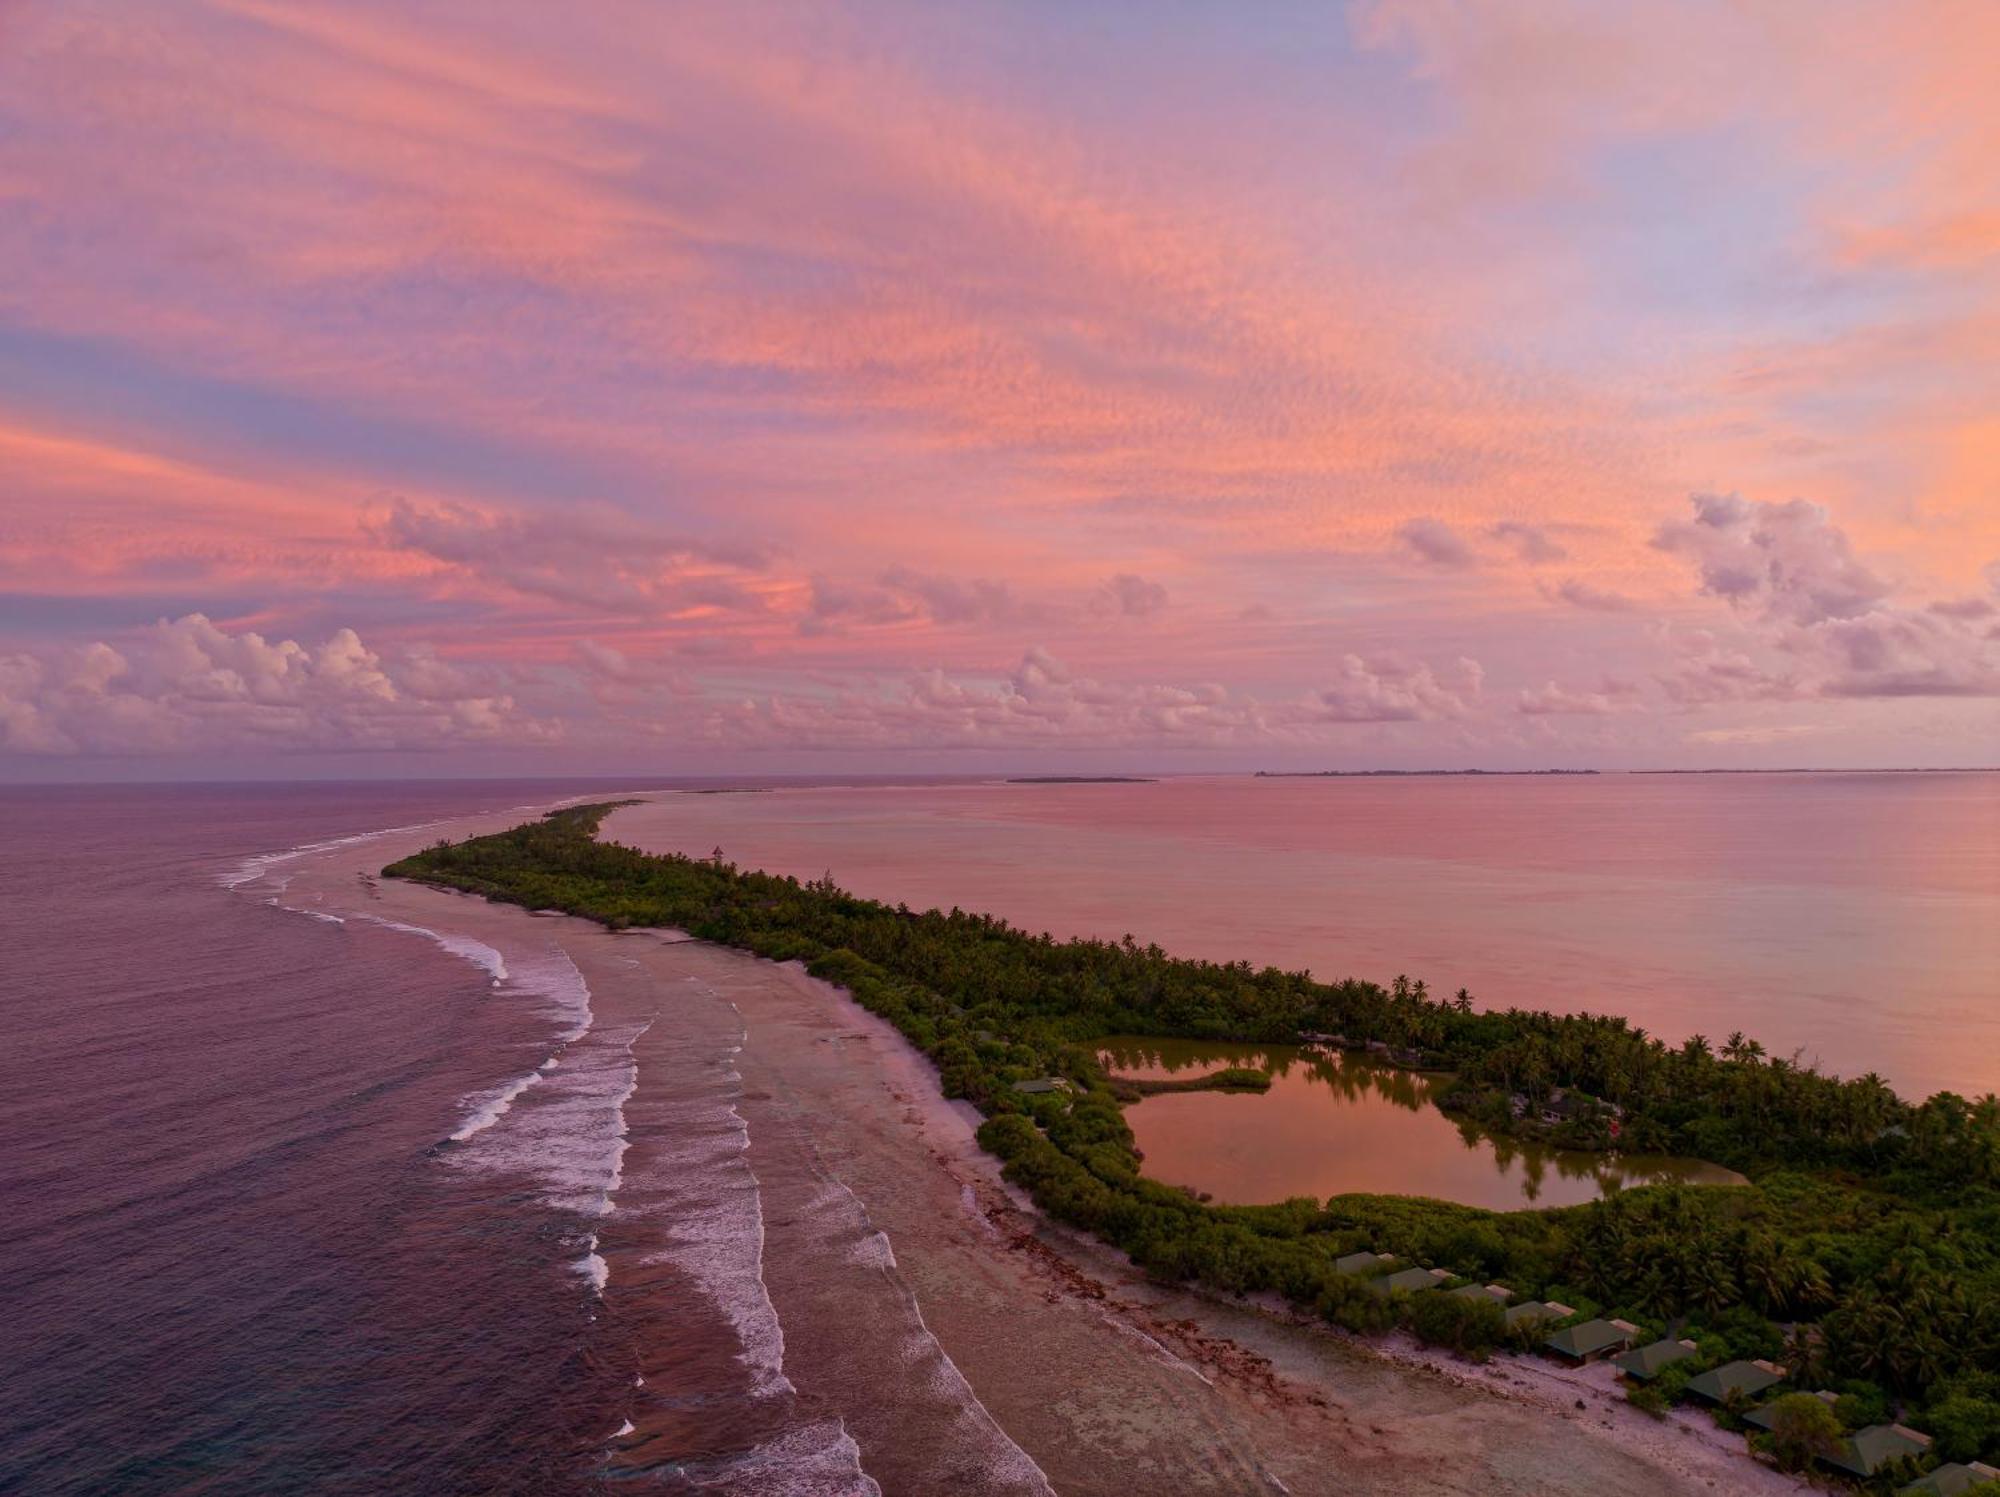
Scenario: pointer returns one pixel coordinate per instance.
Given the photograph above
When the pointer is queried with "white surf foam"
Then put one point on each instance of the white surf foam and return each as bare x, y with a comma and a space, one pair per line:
707, 1203
259, 865
811, 1460
477, 952
870, 1246
487, 1108
593, 1267
569, 1133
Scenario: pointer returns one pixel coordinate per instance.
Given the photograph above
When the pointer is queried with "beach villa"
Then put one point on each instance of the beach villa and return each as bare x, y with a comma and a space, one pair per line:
1645, 1363
1951, 1480
1593, 1340
1534, 1312
1498, 1293
1867, 1451
1042, 1086
1735, 1380
1363, 1263
1409, 1281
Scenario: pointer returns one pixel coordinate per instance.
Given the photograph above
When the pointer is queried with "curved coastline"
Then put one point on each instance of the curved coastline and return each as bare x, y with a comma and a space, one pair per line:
1218, 1396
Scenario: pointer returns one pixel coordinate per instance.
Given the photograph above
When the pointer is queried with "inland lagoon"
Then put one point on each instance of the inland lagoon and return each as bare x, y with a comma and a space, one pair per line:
1334, 1124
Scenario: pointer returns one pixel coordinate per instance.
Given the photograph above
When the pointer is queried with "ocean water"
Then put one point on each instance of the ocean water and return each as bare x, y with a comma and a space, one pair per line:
299, 1200
1852, 920
233, 1257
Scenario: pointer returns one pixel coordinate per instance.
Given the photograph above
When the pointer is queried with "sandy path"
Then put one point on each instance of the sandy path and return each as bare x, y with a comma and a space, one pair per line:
796, 1191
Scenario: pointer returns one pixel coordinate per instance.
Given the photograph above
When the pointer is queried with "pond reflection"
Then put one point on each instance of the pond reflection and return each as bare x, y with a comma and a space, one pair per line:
1332, 1124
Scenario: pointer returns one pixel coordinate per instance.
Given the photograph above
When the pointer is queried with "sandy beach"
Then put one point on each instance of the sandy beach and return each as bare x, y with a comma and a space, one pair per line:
891, 1313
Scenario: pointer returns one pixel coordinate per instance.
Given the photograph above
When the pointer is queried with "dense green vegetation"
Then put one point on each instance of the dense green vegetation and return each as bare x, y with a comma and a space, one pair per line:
1228, 1079
1865, 1256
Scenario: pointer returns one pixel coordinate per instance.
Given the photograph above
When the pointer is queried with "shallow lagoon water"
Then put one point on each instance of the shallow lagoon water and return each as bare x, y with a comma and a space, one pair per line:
1332, 1124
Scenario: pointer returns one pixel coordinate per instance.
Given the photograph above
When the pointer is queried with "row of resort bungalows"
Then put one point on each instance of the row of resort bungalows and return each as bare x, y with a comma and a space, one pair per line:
1732, 1385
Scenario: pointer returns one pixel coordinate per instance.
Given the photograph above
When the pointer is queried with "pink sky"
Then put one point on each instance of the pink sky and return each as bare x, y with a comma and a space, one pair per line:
647, 387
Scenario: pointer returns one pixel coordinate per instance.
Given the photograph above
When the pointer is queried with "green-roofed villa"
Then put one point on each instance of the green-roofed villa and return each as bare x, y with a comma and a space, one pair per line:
1647, 1362
1359, 1263
1409, 1281
1498, 1293
1734, 1380
1534, 1312
1593, 1340
1867, 1451
1951, 1480
1042, 1086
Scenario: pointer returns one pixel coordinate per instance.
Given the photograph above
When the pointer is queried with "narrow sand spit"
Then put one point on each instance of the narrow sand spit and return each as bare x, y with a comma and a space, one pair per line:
794, 1184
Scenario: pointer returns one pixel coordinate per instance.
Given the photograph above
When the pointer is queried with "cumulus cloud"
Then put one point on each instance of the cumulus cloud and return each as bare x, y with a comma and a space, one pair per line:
1530, 543
1388, 690
1133, 596
592, 559
1787, 562
1580, 594
946, 600
1435, 543
1767, 733
905, 595
1821, 617
1040, 702
188, 685
1708, 671
1551, 700
1043, 702
607, 665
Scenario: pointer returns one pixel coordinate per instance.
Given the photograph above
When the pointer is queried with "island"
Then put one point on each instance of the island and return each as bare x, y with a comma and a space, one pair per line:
1409, 774
1080, 779
1861, 1260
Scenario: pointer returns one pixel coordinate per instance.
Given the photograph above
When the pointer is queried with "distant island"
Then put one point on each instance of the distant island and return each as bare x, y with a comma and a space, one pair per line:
1391, 774
1804, 769
1080, 779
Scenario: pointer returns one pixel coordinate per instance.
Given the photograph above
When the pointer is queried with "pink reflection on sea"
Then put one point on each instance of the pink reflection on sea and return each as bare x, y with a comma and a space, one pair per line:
1851, 918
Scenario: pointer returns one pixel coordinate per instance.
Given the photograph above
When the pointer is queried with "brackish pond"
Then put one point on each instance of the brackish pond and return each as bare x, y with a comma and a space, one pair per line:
1331, 1124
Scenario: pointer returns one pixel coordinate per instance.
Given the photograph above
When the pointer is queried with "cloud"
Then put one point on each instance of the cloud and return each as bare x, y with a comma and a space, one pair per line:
1133, 596
1042, 702
189, 686
1388, 690
1709, 672
946, 600
1821, 616
1434, 542
1530, 543
1787, 561
1899, 653
1580, 594
588, 558
1770, 733
1551, 700
904, 595
607, 665
1965, 608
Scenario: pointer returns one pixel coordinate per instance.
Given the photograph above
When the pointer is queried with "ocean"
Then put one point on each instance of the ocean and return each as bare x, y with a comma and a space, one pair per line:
232, 1258
292, 1203
1852, 920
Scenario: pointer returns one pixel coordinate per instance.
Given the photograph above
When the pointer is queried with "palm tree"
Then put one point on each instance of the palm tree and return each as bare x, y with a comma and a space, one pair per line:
1805, 1357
